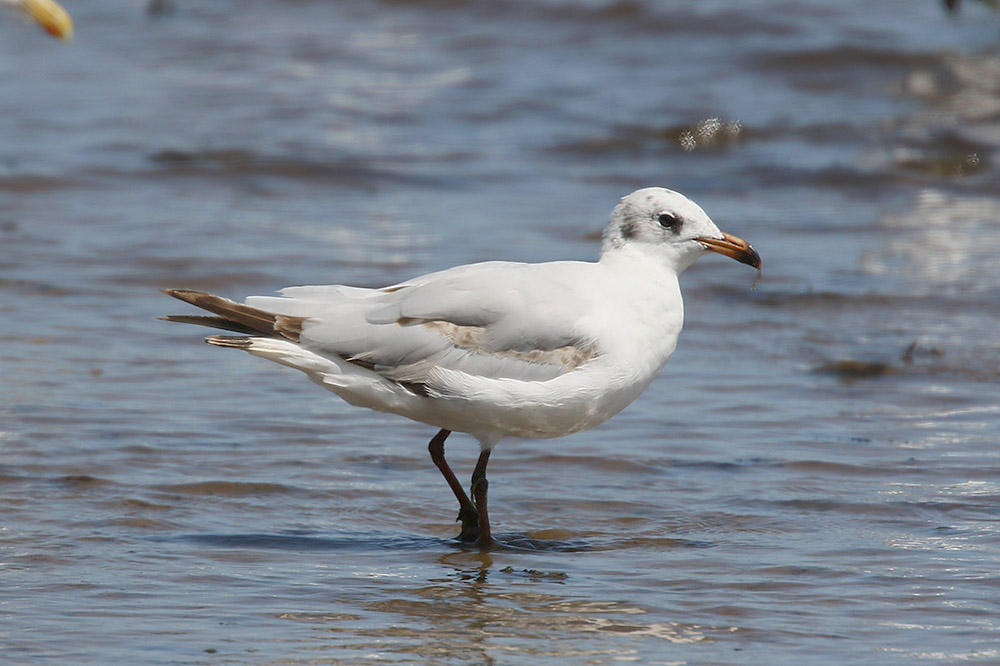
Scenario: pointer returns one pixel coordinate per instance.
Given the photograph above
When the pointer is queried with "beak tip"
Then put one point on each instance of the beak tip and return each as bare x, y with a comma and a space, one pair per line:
734, 248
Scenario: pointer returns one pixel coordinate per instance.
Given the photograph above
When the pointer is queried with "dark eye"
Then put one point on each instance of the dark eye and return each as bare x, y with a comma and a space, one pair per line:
668, 220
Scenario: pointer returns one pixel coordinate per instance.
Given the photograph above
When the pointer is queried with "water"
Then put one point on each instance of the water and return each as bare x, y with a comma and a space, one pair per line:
813, 479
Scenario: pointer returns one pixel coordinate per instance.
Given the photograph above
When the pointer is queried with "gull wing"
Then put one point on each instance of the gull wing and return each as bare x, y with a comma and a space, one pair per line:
494, 319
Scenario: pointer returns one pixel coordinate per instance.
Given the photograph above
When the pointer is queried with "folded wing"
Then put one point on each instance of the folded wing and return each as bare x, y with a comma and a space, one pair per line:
489, 320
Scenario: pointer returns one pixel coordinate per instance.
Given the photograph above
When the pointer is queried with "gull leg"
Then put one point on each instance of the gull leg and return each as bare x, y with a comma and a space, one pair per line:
479, 487
467, 512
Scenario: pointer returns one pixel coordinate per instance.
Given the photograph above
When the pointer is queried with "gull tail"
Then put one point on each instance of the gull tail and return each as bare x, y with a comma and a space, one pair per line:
234, 341
236, 317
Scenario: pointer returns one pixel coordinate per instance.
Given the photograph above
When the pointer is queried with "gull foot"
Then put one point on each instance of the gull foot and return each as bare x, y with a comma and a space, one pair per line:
470, 525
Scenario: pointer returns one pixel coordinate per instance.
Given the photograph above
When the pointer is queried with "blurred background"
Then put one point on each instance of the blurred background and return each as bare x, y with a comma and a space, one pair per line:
813, 479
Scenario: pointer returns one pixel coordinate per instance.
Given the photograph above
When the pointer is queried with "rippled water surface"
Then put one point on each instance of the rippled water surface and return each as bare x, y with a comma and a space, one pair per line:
814, 479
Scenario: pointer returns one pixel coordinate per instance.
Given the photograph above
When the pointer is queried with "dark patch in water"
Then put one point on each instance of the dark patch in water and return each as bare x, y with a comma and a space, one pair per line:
227, 488
709, 133
851, 370
38, 288
524, 543
535, 574
303, 542
81, 481
944, 155
915, 351
30, 183
240, 162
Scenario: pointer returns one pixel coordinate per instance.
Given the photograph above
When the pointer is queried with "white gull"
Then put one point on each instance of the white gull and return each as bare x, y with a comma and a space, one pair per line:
494, 349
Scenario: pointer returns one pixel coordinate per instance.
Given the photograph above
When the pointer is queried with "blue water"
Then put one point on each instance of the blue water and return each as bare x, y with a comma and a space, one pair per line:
812, 480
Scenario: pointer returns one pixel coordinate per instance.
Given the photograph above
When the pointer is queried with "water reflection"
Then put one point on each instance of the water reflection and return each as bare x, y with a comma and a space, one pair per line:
476, 613
941, 245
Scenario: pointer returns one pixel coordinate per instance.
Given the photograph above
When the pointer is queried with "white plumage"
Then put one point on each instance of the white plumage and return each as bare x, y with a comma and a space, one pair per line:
496, 349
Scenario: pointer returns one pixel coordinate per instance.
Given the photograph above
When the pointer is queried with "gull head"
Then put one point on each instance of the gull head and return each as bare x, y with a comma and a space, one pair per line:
668, 225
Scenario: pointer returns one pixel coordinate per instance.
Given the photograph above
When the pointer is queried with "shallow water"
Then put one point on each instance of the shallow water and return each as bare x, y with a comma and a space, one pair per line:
813, 479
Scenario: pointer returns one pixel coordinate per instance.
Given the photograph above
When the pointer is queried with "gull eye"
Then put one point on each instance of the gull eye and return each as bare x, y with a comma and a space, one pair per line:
668, 221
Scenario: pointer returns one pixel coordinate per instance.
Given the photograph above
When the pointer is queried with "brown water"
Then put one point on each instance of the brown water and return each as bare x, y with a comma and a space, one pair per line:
815, 478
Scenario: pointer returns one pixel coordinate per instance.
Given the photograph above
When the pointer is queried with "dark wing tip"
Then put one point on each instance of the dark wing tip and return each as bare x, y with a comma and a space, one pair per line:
192, 296
233, 316
211, 322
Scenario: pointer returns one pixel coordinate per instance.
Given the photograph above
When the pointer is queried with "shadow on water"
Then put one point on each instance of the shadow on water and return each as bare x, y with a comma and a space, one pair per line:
526, 543
305, 542
359, 542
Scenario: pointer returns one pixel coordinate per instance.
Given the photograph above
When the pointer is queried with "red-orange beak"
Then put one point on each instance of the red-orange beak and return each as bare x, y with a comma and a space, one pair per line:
734, 248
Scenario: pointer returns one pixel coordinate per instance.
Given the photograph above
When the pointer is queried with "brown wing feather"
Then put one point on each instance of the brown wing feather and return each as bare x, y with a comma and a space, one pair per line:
233, 316
211, 322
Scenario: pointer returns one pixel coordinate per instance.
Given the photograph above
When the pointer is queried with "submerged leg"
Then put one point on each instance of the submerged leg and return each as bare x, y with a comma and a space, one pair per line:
479, 487
467, 512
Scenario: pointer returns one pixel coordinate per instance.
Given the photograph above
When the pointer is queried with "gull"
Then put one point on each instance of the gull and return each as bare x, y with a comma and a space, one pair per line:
47, 13
493, 349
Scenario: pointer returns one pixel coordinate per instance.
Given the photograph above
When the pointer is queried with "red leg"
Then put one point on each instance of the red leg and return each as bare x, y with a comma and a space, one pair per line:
467, 512
479, 487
